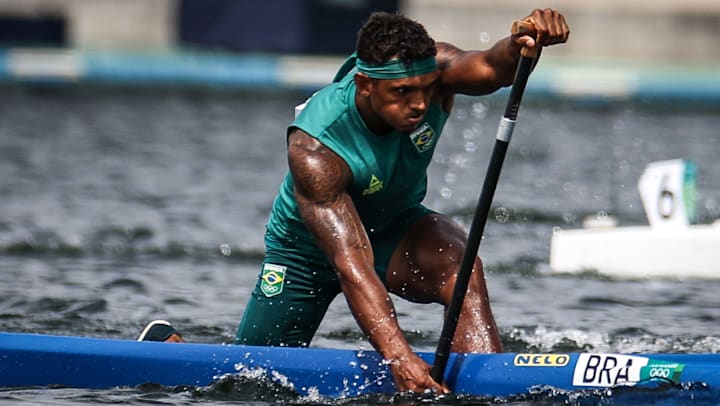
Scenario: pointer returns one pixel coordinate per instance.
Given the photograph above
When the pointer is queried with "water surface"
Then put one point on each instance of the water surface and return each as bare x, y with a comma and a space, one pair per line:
120, 206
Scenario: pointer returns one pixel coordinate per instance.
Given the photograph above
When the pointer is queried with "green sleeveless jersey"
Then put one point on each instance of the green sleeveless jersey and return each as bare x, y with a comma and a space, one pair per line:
389, 171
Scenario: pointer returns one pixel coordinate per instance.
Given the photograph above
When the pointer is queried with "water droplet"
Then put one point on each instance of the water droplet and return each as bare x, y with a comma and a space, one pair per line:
570, 218
450, 178
484, 37
618, 125
502, 214
480, 109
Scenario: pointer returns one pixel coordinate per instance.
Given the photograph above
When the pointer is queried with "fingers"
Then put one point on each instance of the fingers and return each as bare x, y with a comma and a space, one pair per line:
413, 375
551, 27
526, 41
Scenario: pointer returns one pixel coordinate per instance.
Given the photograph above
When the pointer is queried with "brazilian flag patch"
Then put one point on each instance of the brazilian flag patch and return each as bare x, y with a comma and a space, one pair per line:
272, 279
423, 137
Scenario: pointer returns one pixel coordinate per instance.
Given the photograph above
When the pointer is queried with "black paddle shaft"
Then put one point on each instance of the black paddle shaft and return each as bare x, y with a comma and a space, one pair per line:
505, 128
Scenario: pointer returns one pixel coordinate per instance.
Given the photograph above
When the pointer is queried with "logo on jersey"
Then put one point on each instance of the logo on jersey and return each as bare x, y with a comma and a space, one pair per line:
423, 137
272, 279
374, 187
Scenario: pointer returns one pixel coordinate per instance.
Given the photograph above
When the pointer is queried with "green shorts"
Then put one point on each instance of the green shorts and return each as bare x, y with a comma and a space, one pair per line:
294, 290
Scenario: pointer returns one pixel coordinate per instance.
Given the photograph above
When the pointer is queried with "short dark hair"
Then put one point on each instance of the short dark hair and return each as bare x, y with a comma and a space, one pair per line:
387, 36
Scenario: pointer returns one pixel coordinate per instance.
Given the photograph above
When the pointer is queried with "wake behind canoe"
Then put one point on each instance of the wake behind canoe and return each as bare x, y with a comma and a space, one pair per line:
30, 360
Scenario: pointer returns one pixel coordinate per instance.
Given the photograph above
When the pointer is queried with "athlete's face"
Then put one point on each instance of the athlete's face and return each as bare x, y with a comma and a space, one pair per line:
400, 104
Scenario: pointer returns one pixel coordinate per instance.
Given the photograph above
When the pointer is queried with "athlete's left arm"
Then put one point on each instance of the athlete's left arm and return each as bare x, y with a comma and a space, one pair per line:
483, 72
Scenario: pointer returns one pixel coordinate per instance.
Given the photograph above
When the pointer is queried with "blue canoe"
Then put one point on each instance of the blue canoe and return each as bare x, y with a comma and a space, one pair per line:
31, 360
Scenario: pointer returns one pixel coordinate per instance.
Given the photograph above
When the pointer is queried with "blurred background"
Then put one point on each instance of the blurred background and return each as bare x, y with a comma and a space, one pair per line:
618, 47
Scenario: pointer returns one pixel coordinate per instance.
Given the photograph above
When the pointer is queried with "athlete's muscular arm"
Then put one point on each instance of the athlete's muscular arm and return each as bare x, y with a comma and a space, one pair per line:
483, 72
321, 181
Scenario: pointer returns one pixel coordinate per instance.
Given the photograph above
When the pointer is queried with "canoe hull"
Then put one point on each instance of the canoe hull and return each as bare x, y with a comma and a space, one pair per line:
29, 360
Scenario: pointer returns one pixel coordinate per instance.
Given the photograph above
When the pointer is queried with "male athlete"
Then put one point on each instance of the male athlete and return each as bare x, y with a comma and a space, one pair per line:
349, 218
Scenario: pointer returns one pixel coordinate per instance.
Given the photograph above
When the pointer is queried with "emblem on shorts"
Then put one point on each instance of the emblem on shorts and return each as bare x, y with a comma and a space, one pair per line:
272, 279
423, 137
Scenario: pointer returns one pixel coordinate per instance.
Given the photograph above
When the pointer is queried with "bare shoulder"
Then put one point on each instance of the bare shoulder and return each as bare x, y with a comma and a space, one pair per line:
446, 52
451, 57
446, 55
470, 72
319, 173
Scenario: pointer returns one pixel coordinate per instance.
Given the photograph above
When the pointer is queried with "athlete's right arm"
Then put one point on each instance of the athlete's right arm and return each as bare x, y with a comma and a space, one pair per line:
321, 180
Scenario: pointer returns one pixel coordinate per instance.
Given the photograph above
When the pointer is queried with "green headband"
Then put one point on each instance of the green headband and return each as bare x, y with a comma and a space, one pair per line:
396, 69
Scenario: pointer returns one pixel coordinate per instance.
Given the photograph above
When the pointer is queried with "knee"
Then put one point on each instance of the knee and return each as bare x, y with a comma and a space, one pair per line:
451, 276
478, 267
